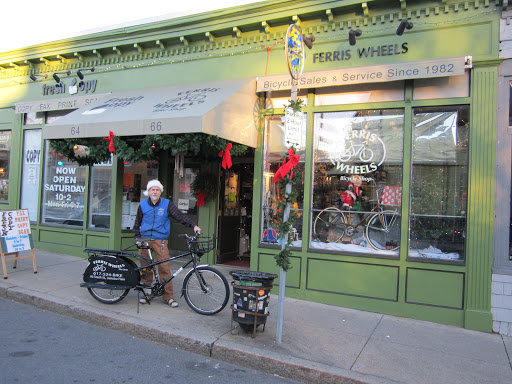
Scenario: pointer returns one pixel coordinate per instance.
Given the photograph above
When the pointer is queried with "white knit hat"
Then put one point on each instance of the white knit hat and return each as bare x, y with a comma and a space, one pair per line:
153, 183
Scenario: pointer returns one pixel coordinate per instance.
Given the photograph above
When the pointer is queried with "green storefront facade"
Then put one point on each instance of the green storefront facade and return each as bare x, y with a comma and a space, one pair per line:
397, 158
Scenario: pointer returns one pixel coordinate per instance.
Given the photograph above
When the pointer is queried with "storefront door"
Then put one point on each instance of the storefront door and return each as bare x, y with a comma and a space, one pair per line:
235, 212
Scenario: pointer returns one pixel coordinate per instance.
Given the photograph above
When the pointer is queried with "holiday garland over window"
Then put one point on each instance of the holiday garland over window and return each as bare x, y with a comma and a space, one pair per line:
137, 149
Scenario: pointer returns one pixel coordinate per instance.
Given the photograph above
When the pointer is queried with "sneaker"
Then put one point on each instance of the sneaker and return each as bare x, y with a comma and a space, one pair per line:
173, 303
147, 297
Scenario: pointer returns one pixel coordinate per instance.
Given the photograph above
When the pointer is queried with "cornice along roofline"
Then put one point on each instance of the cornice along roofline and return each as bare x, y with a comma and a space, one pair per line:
247, 27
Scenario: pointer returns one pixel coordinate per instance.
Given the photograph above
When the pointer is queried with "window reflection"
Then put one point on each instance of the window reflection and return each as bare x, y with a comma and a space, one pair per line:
439, 182
274, 151
100, 195
357, 181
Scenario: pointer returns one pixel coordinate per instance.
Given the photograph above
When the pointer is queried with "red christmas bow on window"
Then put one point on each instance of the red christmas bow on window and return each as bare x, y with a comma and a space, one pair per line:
287, 166
226, 156
110, 139
200, 198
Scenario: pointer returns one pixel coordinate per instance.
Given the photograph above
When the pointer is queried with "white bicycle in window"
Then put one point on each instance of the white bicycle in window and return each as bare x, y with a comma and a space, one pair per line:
381, 227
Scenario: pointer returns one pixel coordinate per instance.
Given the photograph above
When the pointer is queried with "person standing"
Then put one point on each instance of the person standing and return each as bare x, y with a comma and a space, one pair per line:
153, 221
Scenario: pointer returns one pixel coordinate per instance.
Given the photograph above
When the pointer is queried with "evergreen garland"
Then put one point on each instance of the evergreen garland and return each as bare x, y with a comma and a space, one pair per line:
98, 150
283, 257
295, 105
137, 149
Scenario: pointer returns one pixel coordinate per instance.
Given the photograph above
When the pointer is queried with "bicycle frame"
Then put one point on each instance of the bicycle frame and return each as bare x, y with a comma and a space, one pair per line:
365, 217
153, 264
111, 274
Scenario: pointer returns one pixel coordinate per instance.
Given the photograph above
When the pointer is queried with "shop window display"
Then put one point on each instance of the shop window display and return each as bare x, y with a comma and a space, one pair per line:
439, 182
357, 181
135, 179
100, 195
31, 171
5, 160
63, 191
274, 151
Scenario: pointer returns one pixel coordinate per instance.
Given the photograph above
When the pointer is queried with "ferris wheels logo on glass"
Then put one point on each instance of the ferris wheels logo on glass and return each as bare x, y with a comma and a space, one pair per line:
362, 153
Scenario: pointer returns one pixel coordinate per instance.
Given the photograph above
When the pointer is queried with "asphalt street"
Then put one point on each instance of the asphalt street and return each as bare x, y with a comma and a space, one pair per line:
44, 347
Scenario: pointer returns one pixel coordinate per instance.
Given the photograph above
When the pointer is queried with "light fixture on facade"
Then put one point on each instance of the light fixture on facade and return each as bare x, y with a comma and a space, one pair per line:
81, 75
404, 24
352, 36
57, 78
34, 77
308, 41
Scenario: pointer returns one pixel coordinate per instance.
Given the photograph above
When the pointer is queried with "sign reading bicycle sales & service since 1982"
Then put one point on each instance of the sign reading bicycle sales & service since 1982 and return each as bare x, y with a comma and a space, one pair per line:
370, 74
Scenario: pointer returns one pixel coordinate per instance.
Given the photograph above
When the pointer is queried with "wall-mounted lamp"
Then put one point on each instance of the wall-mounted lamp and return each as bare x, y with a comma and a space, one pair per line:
403, 25
308, 41
34, 77
81, 75
57, 78
352, 36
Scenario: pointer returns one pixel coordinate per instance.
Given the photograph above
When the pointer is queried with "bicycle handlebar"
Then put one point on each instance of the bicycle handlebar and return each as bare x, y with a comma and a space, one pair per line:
188, 237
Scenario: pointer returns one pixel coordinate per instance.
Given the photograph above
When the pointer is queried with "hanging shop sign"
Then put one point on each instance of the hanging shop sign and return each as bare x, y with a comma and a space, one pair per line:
371, 74
294, 49
56, 104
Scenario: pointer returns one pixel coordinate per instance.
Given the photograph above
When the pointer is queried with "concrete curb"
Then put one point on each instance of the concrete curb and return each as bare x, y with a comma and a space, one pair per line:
227, 351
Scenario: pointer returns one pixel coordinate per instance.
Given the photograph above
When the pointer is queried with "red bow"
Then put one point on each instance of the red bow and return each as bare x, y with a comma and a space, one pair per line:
287, 166
110, 139
226, 156
200, 198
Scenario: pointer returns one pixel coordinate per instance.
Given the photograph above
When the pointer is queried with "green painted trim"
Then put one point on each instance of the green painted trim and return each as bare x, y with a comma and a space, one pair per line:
116, 204
478, 320
482, 161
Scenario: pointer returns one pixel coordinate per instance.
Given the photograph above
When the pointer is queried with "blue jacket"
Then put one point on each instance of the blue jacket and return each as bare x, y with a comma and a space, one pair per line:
155, 223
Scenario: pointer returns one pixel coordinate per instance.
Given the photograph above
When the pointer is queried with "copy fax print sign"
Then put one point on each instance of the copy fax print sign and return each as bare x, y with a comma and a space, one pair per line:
15, 234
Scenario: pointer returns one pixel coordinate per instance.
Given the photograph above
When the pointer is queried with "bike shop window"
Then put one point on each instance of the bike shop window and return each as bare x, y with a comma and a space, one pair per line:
100, 195
357, 181
5, 159
274, 151
30, 172
135, 180
439, 184
63, 190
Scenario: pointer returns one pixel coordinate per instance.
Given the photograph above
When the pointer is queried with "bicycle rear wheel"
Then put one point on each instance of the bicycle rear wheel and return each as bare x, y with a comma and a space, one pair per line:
330, 225
108, 295
383, 230
215, 295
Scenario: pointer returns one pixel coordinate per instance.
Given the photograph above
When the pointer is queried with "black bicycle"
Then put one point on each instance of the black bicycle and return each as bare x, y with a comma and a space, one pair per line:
111, 274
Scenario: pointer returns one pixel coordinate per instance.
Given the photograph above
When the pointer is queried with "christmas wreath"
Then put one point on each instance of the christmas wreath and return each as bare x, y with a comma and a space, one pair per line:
205, 186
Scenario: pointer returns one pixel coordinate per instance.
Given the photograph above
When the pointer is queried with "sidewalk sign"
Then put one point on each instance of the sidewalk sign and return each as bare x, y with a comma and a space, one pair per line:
15, 236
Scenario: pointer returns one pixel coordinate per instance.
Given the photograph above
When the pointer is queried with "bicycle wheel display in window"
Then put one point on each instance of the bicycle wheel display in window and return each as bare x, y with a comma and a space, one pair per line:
330, 225
383, 231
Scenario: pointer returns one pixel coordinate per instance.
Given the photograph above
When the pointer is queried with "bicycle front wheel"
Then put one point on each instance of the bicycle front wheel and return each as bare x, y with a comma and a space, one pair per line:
330, 225
108, 295
383, 230
210, 294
